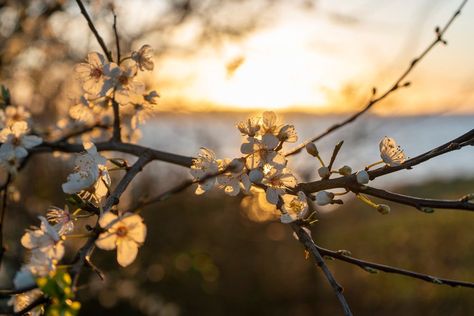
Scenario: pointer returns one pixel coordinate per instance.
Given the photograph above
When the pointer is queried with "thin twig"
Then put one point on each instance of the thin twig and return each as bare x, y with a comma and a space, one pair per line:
2, 215
348, 182
366, 265
94, 31
117, 38
397, 85
117, 134
418, 203
8, 293
82, 131
310, 246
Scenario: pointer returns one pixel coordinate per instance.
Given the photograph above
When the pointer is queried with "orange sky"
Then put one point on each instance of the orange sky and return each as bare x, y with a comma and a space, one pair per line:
322, 59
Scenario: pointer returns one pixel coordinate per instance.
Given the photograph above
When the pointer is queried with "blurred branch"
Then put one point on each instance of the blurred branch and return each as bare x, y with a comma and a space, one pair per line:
416, 202
117, 39
128, 148
177, 189
397, 85
310, 246
116, 136
39, 301
82, 131
94, 31
366, 265
2, 215
8, 293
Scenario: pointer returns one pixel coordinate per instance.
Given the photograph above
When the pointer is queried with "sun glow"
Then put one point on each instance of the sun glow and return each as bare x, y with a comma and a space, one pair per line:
272, 69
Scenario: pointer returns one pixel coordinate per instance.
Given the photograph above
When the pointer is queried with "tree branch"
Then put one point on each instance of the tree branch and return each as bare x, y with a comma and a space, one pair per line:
113, 199
418, 203
397, 85
366, 265
94, 31
310, 246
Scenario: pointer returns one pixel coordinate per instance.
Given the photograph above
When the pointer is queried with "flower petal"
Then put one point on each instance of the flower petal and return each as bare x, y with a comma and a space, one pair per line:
126, 252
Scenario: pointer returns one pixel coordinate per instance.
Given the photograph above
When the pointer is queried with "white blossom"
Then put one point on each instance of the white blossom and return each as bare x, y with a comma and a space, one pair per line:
14, 114
44, 241
260, 152
92, 74
390, 153
235, 179
122, 80
250, 126
126, 233
144, 57
277, 180
15, 139
287, 134
203, 166
294, 207
91, 178
61, 218
23, 300
143, 105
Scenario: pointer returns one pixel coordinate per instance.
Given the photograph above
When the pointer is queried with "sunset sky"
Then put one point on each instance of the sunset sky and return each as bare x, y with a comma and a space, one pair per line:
324, 58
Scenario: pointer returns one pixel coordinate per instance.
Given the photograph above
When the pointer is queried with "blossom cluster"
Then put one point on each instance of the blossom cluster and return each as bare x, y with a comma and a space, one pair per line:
263, 166
46, 248
105, 82
15, 137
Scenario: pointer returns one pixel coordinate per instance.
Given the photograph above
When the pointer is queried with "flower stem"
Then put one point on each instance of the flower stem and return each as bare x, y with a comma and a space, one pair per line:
374, 164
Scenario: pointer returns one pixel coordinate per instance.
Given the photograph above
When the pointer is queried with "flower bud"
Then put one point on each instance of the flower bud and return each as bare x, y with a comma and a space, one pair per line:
362, 177
312, 150
324, 197
324, 172
383, 209
345, 170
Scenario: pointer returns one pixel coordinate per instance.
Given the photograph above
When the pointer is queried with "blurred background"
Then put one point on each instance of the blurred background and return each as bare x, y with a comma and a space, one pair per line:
216, 62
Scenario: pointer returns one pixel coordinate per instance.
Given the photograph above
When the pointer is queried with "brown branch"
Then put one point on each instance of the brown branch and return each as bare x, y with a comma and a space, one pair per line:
81, 258
177, 189
397, 85
81, 131
117, 38
2, 215
466, 139
128, 148
366, 265
350, 182
8, 293
310, 246
418, 203
94, 30
117, 134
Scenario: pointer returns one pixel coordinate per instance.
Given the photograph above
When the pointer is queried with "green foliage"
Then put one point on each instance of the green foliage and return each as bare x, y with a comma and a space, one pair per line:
58, 288
5, 98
